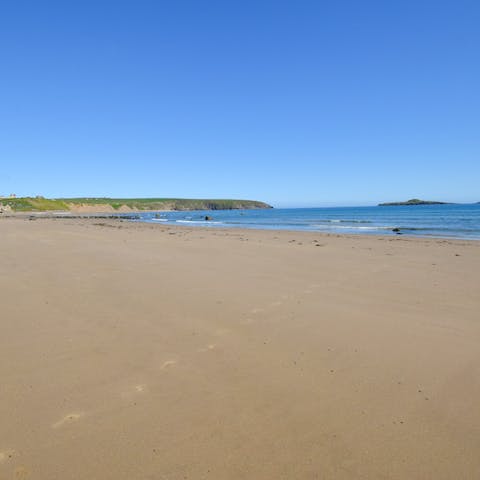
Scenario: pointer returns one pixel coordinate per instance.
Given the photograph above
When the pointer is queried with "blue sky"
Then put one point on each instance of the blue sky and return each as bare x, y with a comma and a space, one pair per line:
292, 102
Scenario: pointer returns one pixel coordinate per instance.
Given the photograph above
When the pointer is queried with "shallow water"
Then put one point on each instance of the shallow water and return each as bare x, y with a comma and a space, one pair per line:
447, 221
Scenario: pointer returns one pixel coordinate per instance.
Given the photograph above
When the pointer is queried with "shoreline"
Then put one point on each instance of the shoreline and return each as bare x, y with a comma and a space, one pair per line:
134, 218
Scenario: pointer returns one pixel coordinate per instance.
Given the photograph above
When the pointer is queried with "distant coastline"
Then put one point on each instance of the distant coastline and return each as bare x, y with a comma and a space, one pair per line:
442, 221
412, 201
122, 205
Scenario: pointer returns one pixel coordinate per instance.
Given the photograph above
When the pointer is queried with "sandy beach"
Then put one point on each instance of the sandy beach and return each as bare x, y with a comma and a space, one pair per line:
137, 351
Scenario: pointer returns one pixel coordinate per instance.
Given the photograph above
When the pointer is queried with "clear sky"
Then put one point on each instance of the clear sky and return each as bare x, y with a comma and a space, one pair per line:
292, 102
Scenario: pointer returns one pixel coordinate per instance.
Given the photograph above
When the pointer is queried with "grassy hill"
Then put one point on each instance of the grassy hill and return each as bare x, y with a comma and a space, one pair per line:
33, 204
41, 204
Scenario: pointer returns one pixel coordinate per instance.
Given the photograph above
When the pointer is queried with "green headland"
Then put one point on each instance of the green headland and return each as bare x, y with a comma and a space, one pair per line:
100, 204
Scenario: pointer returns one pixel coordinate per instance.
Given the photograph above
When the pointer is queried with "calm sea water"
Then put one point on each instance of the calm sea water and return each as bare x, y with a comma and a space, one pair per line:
449, 221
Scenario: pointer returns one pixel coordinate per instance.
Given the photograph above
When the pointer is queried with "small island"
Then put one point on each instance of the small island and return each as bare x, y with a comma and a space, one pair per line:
412, 201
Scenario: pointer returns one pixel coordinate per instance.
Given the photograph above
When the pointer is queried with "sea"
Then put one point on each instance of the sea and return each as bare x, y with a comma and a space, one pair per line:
441, 221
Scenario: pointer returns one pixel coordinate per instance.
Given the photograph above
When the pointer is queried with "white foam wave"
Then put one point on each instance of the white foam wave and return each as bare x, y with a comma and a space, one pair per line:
202, 222
349, 227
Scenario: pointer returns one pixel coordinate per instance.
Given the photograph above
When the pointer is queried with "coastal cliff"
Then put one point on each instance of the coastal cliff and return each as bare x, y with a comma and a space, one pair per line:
101, 205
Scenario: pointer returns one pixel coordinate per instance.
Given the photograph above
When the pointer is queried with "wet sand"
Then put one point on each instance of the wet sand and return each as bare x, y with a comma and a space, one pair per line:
135, 351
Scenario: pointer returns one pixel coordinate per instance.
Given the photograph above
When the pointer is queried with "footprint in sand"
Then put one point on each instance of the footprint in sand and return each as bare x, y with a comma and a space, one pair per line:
257, 310
220, 332
275, 304
21, 473
168, 364
6, 455
135, 390
67, 419
208, 348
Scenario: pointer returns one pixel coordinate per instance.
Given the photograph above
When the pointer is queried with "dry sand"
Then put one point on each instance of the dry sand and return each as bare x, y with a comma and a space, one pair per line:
131, 351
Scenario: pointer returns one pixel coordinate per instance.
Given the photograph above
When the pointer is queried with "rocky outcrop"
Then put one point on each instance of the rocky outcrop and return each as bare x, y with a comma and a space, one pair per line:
98, 208
5, 208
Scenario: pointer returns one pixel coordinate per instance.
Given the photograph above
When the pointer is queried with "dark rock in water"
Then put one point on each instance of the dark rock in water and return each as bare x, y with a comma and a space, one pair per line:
396, 230
207, 218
